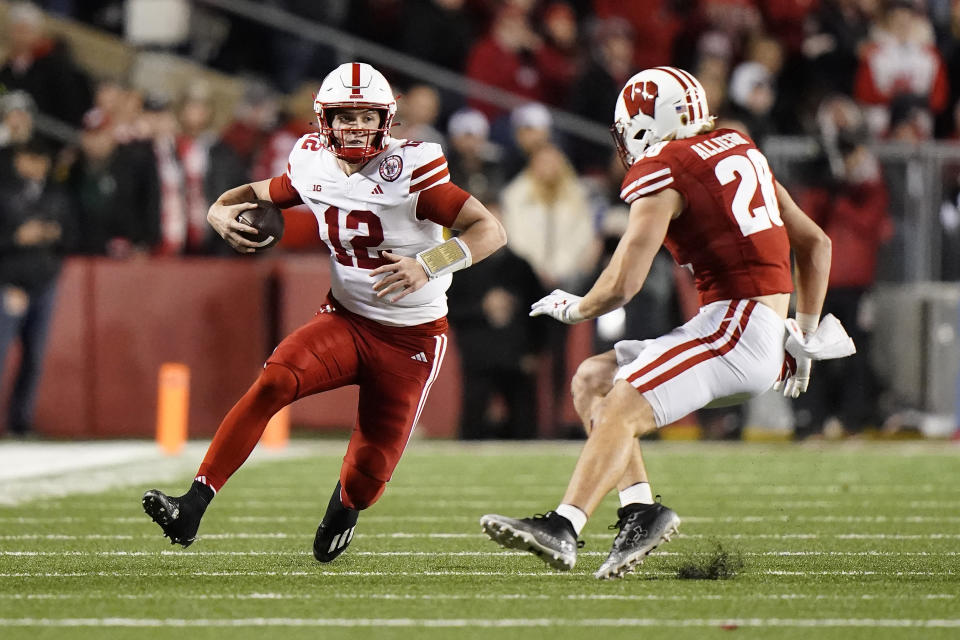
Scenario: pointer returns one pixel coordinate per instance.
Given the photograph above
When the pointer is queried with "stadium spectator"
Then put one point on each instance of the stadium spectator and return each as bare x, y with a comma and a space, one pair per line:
900, 60
36, 229
609, 66
655, 23
43, 67
752, 95
505, 58
499, 344
837, 33
385, 203
17, 109
439, 31
732, 349
558, 58
193, 142
115, 191
233, 156
531, 126
417, 112
474, 161
851, 206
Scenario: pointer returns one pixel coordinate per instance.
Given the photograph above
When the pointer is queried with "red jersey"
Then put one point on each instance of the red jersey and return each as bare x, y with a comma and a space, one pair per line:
730, 231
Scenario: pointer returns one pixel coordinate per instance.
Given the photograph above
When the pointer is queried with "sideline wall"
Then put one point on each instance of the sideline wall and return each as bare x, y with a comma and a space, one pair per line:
116, 322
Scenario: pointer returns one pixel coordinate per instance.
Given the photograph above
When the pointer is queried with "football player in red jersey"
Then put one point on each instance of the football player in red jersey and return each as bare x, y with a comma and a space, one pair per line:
709, 196
382, 205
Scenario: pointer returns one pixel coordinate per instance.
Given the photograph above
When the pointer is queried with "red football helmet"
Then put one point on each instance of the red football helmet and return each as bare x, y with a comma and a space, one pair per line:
355, 85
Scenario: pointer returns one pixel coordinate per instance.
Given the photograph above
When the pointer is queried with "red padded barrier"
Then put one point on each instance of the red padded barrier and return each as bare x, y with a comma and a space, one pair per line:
208, 314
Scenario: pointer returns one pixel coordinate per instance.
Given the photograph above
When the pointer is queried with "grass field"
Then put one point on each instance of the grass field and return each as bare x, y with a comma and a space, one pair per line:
841, 541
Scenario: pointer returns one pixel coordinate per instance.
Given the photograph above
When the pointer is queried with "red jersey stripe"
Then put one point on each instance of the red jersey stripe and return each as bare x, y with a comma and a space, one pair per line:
427, 168
423, 184
703, 355
667, 355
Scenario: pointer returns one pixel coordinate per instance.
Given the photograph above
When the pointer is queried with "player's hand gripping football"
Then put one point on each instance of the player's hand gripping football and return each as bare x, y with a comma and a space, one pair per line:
401, 276
223, 219
560, 305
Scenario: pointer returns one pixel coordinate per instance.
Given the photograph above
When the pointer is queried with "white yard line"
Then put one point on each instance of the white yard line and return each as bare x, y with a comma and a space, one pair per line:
482, 554
648, 597
319, 572
479, 536
726, 623
379, 519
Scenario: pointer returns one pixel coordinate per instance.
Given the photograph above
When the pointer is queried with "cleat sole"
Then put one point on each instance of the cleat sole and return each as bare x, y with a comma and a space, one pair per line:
510, 538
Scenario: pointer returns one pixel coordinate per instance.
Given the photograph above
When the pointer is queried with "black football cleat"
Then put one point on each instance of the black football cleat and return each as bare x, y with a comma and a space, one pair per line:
336, 529
642, 528
549, 536
178, 517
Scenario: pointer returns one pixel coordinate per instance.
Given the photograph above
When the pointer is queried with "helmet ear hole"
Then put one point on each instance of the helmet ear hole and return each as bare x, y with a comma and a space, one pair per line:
684, 120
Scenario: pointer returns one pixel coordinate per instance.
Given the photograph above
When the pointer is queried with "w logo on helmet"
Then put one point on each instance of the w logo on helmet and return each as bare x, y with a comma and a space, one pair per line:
640, 97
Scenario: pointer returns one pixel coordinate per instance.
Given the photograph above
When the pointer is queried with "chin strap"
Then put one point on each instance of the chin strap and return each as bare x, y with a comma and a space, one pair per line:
445, 258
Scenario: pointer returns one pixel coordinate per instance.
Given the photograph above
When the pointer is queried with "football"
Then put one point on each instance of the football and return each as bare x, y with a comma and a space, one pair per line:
267, 219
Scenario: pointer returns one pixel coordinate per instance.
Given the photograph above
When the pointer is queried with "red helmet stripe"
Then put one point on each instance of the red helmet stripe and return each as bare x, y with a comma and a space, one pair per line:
683, 85
693, 81
355, 82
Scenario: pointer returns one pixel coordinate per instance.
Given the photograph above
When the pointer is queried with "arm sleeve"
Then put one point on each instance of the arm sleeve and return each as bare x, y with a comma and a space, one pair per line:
282, 192
441, 204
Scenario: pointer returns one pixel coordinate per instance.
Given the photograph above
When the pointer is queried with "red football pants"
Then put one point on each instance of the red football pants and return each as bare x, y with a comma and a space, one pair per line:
394, 368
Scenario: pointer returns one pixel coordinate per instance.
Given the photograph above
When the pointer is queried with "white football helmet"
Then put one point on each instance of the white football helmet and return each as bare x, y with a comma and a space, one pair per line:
662, 103
355, 85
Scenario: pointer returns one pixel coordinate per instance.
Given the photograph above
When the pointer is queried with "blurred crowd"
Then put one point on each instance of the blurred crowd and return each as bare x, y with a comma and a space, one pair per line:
146, 164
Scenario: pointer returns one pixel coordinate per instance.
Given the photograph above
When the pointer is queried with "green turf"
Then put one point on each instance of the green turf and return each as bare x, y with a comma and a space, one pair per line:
851, 541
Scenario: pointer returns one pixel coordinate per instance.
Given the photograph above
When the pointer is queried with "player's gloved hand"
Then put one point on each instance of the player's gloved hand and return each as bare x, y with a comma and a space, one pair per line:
560, 305
794, 376
795, 373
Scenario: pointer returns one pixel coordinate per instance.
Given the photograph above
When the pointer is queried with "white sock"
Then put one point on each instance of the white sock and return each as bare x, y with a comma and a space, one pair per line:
636, 494
576, 517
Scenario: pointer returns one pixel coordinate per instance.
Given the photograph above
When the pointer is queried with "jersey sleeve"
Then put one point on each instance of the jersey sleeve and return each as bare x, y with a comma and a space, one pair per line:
438, 199
430, 168
282, 192
441, 203
646, 177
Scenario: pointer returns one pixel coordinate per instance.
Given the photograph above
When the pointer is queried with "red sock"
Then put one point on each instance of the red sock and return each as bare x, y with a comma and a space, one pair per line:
240, 431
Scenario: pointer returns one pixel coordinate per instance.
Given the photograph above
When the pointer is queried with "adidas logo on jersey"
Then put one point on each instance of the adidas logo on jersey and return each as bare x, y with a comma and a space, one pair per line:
377, 191
420, 357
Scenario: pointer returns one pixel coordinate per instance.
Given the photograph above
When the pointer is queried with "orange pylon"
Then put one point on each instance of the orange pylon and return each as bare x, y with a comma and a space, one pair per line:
173, 406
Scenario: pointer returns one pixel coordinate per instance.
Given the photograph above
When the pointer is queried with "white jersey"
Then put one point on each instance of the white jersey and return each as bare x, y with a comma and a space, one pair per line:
374, 210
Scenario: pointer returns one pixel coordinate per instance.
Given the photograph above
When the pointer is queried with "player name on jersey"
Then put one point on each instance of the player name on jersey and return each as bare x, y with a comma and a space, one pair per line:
712, 146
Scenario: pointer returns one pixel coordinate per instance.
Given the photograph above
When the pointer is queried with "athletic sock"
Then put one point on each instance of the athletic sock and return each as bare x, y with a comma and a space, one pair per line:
638, 493
575, 515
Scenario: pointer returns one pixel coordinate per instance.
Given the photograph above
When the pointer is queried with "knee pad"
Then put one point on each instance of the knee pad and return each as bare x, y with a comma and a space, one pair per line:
278, 384
359, 490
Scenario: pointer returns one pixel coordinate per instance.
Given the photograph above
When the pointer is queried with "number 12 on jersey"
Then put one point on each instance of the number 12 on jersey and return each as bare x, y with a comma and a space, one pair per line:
355, 251
753, 171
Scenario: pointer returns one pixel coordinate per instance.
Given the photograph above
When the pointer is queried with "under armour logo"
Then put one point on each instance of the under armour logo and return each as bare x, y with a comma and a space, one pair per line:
420, 357
557, 305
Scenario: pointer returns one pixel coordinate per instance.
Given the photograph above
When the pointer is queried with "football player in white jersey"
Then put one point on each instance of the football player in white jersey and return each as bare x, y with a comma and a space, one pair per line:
381, 205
